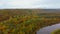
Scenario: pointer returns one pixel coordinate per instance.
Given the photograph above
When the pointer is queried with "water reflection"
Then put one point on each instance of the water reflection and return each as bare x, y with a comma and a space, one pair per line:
49, 29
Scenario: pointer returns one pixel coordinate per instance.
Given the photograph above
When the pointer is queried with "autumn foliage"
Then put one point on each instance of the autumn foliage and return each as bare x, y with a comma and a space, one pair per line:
25, 21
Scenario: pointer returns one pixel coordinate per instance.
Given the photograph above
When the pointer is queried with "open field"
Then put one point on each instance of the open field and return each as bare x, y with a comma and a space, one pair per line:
25, 21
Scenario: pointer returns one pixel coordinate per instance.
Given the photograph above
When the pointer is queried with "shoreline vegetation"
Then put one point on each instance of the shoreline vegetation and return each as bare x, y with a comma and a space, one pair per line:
56, 31
26, 21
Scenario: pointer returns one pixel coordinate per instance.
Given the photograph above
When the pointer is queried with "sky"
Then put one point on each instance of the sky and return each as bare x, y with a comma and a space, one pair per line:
46, 4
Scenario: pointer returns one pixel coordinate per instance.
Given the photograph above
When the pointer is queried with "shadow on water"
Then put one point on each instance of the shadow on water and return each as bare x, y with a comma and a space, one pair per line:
49, 29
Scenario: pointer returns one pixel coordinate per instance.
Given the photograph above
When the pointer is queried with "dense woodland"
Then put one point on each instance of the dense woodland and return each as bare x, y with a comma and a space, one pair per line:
25, 21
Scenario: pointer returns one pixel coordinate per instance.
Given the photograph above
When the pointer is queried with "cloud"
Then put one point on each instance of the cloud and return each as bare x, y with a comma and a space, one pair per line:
29, 4
22, 2
1, 4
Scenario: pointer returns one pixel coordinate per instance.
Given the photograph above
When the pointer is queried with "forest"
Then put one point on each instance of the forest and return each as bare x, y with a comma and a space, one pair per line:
25, 21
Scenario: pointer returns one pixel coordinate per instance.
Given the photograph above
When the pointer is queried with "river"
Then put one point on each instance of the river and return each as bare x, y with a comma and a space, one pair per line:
48, 29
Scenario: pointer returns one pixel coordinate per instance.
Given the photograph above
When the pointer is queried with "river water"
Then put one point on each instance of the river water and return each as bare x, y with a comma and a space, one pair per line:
49, 29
